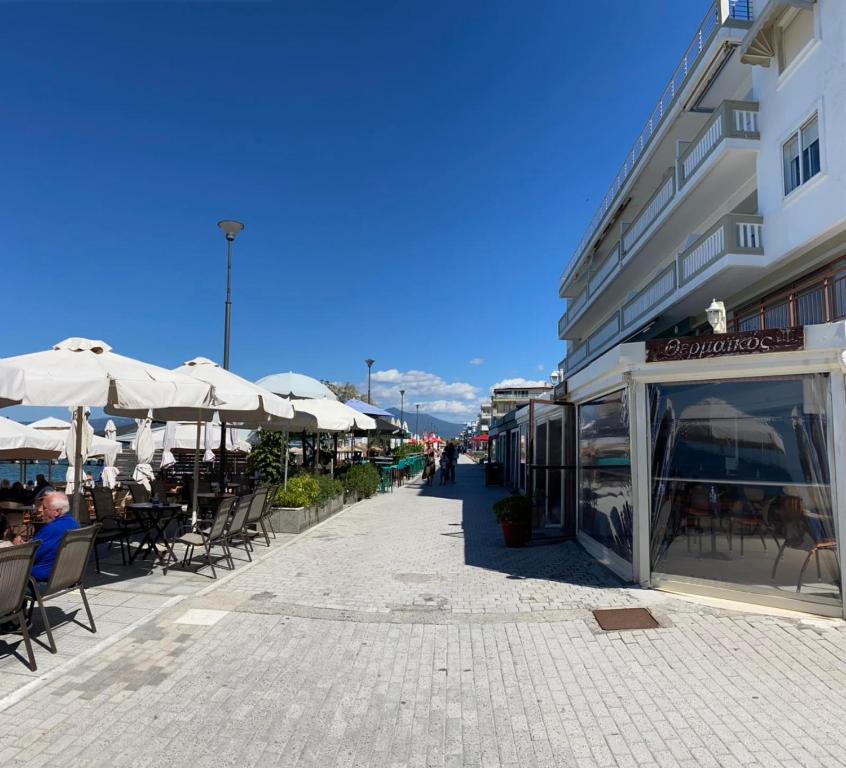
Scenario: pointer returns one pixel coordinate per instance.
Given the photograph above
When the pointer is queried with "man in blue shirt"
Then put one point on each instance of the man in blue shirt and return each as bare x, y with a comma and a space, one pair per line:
54, 509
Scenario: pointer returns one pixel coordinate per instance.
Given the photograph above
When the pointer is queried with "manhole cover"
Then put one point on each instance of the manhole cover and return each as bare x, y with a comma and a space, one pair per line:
614, 619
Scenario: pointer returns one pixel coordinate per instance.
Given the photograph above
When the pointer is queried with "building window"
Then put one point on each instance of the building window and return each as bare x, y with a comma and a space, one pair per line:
801, 155
838, 304
605, 508
777, 316
794, 35
750, 323
810, 307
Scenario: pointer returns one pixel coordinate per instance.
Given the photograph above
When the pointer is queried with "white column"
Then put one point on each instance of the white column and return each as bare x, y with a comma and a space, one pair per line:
641, 480
837, 452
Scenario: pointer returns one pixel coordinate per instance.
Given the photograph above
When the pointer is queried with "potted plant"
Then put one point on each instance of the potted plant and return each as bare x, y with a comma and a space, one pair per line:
361, 480
514, 514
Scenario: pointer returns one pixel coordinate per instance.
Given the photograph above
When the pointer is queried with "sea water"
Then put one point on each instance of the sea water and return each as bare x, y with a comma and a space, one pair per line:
11, 471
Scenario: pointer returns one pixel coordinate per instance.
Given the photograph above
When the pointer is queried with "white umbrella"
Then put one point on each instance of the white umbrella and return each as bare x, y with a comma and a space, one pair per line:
77, 446
295, 385
18, 442
168, 442
99, 446
80, 372
144, 450
208, 454
109, 474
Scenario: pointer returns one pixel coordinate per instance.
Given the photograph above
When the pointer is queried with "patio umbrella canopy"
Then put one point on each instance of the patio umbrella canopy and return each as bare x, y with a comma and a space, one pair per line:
19, 442
296, 385
144, 451
100, 446
77, 447
81, 372
370, 410
109, 474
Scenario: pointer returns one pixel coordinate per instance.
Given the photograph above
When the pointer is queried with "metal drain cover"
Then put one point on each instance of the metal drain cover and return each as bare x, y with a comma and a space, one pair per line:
615, 619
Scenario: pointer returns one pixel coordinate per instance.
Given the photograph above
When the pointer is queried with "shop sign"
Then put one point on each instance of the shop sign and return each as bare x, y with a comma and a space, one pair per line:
721, 344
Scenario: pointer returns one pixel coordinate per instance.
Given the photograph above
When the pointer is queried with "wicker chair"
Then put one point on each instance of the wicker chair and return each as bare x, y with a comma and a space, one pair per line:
216, 536
15, 572
67, 575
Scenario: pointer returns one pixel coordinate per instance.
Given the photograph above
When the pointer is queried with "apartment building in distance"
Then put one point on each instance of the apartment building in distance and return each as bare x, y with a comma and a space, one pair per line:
710, 444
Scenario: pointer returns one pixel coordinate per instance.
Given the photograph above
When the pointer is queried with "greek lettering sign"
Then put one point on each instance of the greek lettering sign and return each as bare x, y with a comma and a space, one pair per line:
721, 344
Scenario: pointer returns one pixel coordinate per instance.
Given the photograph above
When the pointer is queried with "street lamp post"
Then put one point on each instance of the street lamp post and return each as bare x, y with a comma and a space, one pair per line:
230, 230
369, 362
417, 423
402, 415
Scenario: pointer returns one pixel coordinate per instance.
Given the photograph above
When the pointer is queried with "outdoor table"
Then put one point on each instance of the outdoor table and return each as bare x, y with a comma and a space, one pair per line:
154, 520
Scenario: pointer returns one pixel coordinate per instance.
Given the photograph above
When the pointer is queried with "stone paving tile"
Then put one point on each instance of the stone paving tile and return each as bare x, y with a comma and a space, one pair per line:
382, 638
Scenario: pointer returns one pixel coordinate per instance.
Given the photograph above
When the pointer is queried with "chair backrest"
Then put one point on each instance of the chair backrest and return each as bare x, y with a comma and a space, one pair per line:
257, 505
104, 504
159, 490
242, 509
139, 493
221, 517
72, 558
269, 499
15, 570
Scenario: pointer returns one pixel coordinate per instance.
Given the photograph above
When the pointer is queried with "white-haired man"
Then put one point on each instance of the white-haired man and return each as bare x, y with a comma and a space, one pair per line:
54, 509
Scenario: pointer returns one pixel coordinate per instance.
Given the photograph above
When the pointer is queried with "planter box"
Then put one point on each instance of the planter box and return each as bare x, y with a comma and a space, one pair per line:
299, 519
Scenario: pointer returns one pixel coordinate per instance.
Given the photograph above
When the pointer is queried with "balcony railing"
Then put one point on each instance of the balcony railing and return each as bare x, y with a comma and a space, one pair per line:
731, 120
604, 270
735, 233
574, 308
737, 10
661, 286
651, 211
607, 331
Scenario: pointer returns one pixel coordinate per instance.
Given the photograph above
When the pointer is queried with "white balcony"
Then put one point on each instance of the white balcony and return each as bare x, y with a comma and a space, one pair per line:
717, 163
708, 267
723, 17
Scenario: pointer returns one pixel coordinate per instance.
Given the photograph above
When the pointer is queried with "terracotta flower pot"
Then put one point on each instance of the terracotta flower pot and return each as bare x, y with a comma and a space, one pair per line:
513, 533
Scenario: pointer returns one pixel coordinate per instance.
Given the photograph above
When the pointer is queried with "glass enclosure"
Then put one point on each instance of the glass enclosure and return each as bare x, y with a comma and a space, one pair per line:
605, 476
740, 485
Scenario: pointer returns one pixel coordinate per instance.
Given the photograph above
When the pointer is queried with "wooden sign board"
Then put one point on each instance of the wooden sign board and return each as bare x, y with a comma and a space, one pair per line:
722, 344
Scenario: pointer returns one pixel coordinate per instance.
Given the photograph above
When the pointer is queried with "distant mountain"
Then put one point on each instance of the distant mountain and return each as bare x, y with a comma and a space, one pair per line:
446, 429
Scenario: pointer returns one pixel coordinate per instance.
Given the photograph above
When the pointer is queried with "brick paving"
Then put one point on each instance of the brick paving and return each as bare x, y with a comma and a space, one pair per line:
402, 633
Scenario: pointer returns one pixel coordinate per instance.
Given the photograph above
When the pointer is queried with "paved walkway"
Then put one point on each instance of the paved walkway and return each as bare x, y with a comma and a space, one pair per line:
402, 633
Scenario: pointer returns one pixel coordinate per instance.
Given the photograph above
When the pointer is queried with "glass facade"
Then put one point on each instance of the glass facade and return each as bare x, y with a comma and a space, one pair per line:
740, 485
605, 476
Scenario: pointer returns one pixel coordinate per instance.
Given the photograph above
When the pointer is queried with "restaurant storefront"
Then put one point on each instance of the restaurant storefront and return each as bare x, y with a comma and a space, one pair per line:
712, 466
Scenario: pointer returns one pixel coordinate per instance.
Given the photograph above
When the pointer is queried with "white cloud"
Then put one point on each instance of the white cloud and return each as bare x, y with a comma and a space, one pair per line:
541, 367
436, 396
520, 382
477, 361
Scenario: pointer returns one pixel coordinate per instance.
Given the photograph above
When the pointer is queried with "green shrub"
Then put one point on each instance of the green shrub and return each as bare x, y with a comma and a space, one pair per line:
302, 491
362, 479
513, 509
329, 488
407, 449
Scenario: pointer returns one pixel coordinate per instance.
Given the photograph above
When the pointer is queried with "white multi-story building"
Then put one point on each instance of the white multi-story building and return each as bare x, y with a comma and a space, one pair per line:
701, 465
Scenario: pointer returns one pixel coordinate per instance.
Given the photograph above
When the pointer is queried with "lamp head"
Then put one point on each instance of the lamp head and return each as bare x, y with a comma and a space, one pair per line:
369, 362
230, 228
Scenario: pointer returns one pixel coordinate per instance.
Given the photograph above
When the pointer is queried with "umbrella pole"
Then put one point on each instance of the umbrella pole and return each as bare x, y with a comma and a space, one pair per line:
287, 451
77, 465
196, 476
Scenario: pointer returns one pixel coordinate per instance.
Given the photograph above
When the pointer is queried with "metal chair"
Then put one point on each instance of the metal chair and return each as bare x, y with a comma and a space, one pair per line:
67, 575
139, 493
113, 528
215, 536
15, 572
238, 524
255, 516
267, 520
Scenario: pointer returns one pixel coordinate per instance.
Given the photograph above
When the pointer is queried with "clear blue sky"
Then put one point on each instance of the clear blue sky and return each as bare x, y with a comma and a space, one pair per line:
413, 178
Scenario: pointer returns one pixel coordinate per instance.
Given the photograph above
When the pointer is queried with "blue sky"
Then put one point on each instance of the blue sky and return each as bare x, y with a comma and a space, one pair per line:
413, 178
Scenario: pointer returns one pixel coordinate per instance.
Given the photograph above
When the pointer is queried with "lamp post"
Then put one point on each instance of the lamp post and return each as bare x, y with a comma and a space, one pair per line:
230, 230
417, 423
402, 414
369, 362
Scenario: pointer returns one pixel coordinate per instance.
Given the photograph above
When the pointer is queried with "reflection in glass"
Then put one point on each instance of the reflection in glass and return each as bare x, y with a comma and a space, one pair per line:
740, 484
605, 508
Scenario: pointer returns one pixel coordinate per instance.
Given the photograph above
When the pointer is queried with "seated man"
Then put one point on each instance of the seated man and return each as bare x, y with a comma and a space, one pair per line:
54, 509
